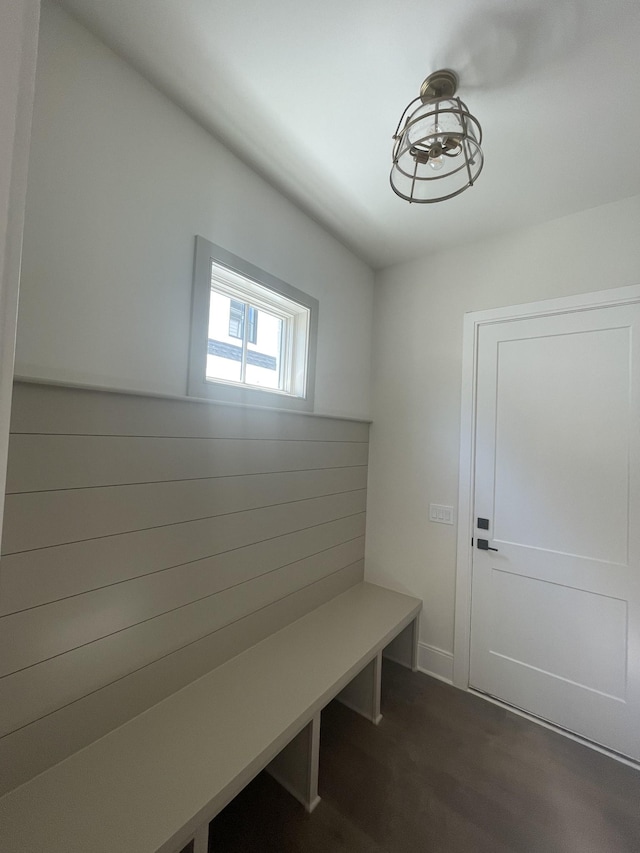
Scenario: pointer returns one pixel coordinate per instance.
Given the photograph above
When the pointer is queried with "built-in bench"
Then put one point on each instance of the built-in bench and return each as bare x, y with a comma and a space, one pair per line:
153, 784
181, 594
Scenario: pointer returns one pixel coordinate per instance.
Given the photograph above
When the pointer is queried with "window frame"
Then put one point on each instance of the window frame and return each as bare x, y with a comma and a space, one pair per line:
208, 254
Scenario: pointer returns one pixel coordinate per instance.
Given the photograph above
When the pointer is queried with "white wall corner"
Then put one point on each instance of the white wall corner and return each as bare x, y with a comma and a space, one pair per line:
18, 52
435, 662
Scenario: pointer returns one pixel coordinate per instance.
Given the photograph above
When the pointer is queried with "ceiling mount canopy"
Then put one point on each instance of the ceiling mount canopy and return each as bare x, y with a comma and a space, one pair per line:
436, 152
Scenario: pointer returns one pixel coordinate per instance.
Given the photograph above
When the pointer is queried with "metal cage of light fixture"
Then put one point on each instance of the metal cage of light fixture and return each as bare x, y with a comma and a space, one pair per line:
437, 152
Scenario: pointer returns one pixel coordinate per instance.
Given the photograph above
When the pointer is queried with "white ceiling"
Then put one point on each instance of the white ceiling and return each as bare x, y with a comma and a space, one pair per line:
309, 94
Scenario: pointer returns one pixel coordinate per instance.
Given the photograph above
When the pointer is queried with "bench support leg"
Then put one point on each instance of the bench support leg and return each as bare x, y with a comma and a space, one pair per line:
362, 694
404, 648
201, 839
296, 767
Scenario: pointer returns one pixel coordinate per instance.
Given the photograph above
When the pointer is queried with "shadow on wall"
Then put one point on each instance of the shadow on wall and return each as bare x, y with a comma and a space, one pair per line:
224, 106
499, 47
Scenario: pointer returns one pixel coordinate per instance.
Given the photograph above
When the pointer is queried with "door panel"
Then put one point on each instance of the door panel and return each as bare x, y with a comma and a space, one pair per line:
549, 388
555, 627
584, 639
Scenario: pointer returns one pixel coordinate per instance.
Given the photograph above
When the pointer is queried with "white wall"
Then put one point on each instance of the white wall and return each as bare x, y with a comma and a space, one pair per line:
18, 47
120, 182
419, 310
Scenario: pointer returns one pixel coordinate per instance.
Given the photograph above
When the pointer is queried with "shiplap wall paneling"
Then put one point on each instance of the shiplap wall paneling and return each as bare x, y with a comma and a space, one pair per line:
36, 746
43, 575
47, 462
92, 653
147, 540
43, 519
37, 408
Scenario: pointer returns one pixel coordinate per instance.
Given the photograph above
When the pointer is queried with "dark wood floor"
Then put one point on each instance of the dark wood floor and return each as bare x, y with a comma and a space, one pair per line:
444, 772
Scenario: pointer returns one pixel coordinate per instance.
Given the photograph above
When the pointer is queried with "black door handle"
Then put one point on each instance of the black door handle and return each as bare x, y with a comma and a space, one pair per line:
483, 545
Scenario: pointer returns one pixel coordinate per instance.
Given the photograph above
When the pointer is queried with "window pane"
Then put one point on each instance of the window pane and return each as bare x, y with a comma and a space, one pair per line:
236, 319
264, 355
224, 351
253, 325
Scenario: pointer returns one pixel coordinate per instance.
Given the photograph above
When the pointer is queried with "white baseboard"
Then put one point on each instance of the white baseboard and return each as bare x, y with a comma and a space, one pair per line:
435, 662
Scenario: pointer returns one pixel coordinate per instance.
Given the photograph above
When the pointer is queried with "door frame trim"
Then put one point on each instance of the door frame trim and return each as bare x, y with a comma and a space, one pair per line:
466, 484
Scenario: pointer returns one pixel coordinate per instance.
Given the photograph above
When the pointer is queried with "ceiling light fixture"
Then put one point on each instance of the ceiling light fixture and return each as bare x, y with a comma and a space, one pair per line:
437, 152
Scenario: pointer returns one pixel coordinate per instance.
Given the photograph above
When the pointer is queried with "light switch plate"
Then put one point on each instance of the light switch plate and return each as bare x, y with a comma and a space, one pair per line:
441, 514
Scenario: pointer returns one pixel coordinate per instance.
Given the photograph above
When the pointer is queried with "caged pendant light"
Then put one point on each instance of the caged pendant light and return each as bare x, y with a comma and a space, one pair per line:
436, 152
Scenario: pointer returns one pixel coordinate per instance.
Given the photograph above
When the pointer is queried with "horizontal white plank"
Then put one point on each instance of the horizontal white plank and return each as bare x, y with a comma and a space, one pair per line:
40, 462
42, 519
33, 635
34, 748
137, 788
31, 693
67, 410
36, 577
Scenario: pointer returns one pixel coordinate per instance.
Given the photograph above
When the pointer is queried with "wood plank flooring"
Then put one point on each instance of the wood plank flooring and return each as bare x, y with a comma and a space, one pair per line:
444, 772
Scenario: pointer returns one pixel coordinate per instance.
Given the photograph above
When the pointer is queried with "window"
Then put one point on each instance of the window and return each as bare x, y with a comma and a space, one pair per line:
253, 337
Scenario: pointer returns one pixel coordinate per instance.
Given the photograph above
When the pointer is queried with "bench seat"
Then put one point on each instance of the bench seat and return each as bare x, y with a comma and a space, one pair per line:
154, 783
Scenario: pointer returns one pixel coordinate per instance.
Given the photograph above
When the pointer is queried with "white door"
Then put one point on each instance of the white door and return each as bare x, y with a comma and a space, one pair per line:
555, 627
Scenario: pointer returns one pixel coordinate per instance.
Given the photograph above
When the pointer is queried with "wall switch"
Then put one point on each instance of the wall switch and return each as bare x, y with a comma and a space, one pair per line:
441, 514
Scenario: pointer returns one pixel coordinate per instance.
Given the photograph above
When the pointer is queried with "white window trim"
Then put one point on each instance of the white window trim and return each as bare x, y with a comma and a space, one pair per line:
305, 335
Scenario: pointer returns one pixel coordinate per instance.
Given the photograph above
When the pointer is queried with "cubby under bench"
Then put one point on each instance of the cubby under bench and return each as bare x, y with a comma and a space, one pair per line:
153, 784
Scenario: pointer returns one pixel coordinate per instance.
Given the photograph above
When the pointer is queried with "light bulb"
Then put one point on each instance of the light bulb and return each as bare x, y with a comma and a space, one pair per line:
425, 131
436, 155
436, 129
